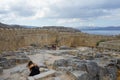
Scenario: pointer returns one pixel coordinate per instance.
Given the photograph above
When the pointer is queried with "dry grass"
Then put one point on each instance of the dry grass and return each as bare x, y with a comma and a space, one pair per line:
118, 75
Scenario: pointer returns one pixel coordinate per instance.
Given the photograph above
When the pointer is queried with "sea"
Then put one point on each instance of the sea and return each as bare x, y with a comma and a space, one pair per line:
102, 32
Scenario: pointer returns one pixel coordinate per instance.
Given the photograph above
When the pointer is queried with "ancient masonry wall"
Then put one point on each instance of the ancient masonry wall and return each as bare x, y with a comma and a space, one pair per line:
12, 39
110, 45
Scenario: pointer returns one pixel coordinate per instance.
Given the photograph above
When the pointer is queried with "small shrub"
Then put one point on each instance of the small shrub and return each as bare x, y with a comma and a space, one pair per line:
97, 44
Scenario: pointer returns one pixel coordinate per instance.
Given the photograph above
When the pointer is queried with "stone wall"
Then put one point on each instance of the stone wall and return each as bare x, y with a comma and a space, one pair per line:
12, 39
110, 45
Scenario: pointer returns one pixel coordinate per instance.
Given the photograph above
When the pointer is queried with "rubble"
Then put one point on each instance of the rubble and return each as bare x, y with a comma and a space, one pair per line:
85, 64
11, 59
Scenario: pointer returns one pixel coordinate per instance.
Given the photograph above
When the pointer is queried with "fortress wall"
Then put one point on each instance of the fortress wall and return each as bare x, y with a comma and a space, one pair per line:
12, 39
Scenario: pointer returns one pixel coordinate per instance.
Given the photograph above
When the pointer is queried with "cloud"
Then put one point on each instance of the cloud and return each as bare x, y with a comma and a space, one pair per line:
64, 11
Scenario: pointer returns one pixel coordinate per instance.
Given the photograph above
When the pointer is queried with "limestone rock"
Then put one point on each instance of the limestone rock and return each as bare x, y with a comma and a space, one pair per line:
61, 62
118, 61
98, 55
92, 69
64, 48
80, 66
79, 75
1, 70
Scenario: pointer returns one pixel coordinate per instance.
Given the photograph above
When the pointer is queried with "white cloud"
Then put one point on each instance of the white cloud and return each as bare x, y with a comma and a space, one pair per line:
64, 11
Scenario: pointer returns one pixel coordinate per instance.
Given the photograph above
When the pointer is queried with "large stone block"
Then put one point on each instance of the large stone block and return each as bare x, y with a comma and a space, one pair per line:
7, 63
79, 75
42, 75
80, 66
1, 70
103, 73
118, 61
21, 60
61, 62
112, 71
92, 69
107, 73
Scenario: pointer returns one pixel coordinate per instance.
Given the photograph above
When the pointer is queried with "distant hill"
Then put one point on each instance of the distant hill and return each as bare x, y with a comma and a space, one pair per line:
61, 28
55, 28
2, 25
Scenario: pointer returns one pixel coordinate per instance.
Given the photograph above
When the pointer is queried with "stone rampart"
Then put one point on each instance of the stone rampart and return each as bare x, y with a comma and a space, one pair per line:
12, 39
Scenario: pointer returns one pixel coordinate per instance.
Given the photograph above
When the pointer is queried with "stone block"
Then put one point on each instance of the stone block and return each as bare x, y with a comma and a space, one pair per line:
80, 66
1, 70
65, 69
7, 63
92, 68
118, 61
2, 79
4, 64
42, 75
112, 71
98, 55
89, 57
30, 78
22, 60
61, 62
79, 75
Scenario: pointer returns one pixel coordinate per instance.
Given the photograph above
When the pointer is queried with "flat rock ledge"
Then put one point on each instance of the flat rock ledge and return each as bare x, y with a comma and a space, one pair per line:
42, 75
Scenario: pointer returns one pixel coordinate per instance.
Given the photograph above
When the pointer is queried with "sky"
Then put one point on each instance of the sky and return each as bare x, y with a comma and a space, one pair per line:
68, 13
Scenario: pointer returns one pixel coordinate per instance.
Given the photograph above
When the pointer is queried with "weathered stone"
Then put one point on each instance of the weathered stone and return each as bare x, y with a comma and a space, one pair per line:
22, 60
4, 64
79, 75
118, 66
64, 48
61, 62
65, 69
89, 57
112, 71
107, 73
118, 61
10, 53
102, 73
98, 55
57, 78
42, 75
2, 79
80, 66
2, 59
30, 78
7, 63
92, 69
1, 70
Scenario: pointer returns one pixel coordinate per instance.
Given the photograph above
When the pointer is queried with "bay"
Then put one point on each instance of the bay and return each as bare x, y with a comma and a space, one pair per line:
102, 32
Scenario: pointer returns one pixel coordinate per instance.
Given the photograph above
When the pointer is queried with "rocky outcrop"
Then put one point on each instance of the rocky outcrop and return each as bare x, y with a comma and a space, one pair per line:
11, 59
86, 69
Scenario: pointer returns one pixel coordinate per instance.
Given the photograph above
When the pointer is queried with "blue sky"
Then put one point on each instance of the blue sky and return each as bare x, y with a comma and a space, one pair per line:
69, 13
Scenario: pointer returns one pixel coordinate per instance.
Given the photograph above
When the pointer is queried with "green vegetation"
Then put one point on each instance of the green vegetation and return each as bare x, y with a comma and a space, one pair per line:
97, 44
33, 45
0, 52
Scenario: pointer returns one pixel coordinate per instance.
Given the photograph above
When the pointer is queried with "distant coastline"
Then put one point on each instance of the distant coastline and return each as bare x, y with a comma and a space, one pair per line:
102, 32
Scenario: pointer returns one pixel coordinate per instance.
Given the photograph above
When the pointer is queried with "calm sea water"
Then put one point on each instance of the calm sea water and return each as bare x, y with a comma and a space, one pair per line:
102, 32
